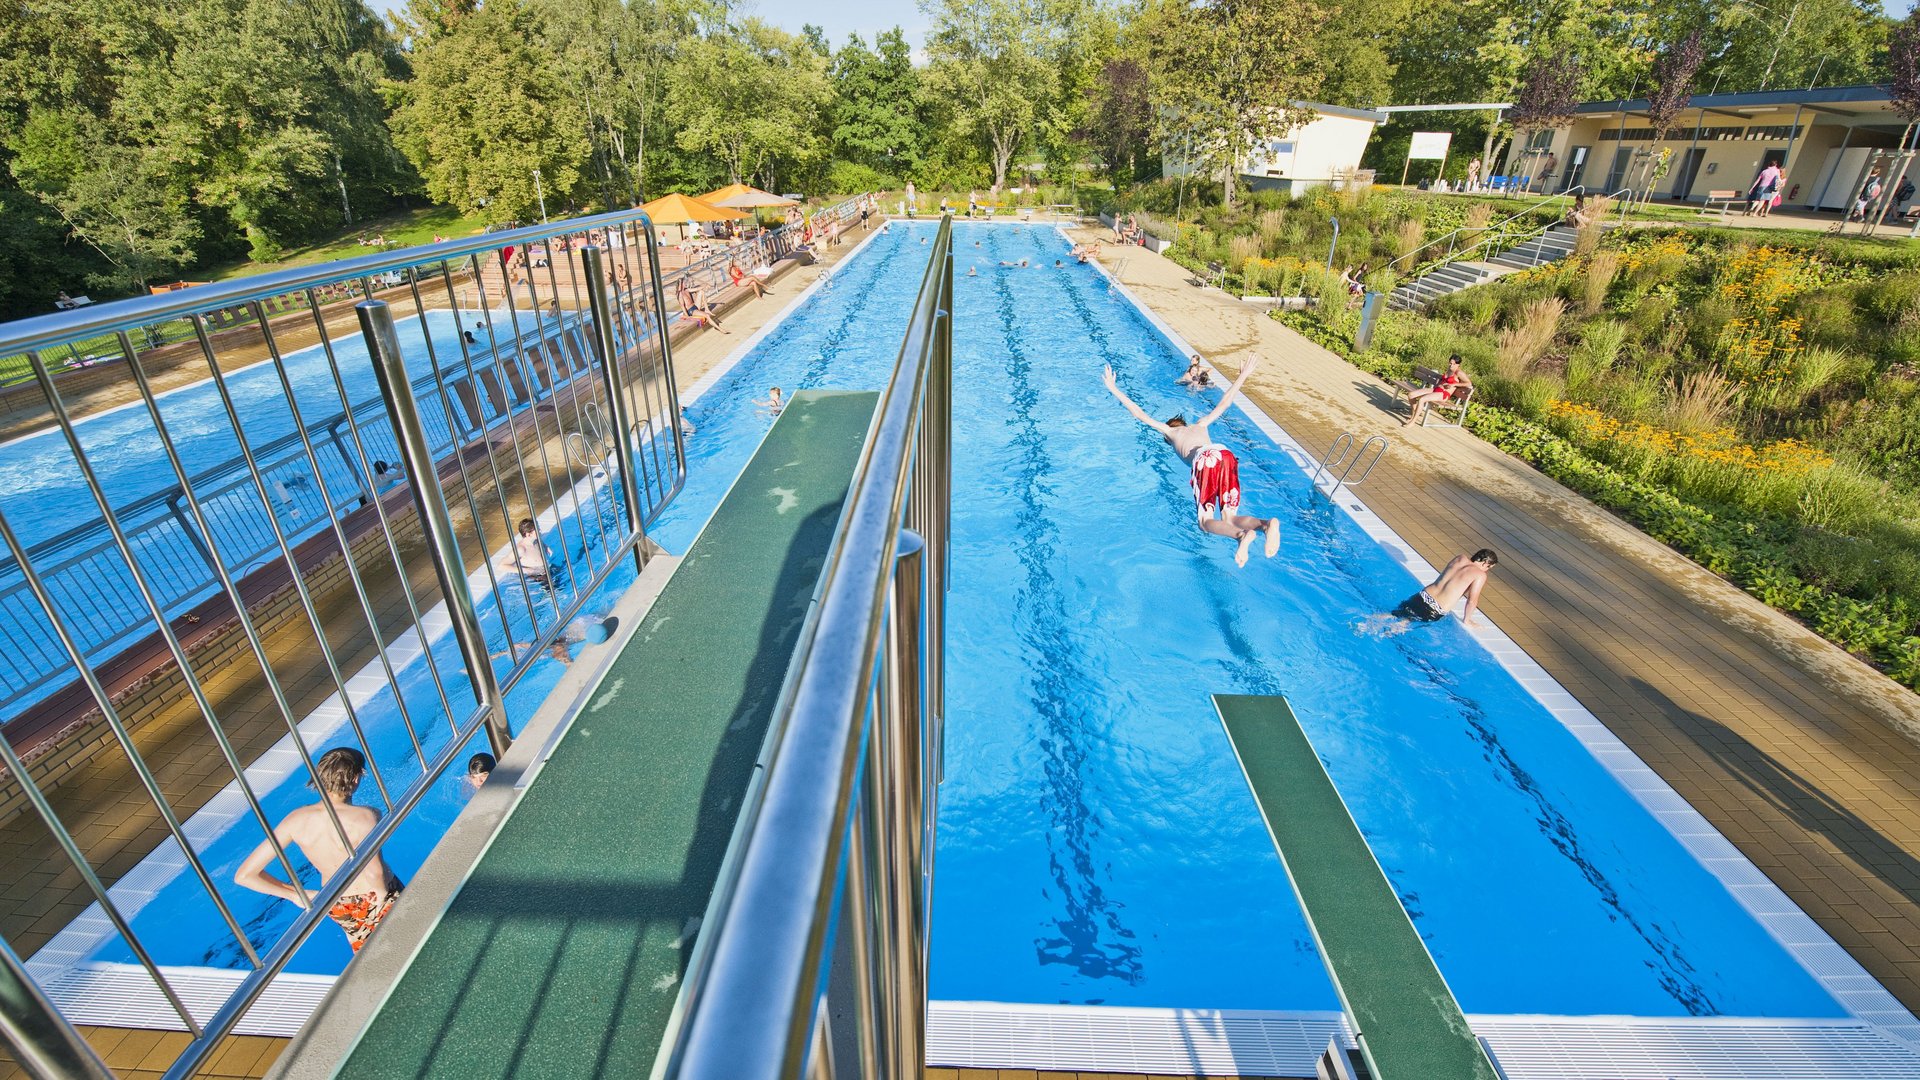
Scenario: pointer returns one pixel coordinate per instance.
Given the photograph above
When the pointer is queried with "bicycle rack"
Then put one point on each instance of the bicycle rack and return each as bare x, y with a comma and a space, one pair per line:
1337, 456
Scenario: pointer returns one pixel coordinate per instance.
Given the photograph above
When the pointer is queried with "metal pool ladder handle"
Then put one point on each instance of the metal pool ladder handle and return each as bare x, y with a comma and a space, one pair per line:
590, 446
1337, 455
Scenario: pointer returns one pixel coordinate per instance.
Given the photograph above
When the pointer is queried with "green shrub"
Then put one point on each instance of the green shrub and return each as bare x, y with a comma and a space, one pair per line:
1593, 358
1895, 298
1829, 317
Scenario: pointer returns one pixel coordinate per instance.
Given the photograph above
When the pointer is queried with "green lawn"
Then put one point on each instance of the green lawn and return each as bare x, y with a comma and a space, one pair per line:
407, 228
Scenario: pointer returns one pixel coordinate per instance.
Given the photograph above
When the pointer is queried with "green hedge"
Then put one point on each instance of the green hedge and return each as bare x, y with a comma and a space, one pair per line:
1742, 552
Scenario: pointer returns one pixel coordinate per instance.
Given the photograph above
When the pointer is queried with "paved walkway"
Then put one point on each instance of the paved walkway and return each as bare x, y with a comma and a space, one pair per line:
1803, 756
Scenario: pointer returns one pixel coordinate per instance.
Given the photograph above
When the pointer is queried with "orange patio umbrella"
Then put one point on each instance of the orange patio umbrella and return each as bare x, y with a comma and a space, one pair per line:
743, 196
685, 209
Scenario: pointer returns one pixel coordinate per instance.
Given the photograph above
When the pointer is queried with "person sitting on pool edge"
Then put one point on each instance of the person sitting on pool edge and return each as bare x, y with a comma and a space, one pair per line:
371, 894
1465, 575
1216, 472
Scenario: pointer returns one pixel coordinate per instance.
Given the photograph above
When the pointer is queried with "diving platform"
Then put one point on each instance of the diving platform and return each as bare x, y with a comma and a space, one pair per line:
1405, 1018
562, 953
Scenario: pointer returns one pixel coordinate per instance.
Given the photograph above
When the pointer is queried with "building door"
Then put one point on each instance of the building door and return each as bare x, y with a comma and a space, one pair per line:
1576, 165
1617, 176
1689, 169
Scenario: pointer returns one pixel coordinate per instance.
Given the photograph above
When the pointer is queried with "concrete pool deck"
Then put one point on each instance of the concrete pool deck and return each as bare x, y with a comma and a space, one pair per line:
1801, 755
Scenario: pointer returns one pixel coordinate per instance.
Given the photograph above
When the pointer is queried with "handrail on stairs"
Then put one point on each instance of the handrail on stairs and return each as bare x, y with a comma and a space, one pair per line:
1449, 238
1507, 242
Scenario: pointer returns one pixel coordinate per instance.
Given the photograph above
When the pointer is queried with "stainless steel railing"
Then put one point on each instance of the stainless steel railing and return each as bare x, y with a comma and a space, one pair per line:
478, 420
304, 491
843, 817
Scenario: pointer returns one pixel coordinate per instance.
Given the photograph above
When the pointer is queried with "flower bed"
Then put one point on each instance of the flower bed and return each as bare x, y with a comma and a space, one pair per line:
1745, 552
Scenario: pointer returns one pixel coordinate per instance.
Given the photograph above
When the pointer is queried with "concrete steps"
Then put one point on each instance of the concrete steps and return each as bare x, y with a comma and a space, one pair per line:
1551, 246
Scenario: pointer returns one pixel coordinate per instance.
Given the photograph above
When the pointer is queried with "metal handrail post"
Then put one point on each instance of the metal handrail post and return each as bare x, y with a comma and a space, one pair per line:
443, 545
608, 346
905, 717
41, 1039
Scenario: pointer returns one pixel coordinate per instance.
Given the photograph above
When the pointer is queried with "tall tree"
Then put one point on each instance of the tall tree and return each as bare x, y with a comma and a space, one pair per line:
113, 197
754, 98
1228, 75
484, 109
876, 113
1903, 60
1549, 90
990, 60
1120, 119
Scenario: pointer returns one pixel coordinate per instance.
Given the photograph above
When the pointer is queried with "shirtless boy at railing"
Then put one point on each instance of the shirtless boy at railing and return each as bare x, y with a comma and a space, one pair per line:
370, 895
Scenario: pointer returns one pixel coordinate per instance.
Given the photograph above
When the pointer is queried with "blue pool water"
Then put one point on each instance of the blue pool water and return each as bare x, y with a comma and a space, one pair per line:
1097, 843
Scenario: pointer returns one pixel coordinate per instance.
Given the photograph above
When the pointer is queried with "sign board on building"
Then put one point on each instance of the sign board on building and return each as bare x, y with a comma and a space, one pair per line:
1429, 145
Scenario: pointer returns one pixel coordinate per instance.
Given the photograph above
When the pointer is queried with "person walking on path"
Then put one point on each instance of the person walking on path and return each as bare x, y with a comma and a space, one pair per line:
1215, 471
1760, 194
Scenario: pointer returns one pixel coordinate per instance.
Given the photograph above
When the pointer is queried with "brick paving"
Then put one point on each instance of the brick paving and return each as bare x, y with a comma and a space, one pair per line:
1804, 757
109, 814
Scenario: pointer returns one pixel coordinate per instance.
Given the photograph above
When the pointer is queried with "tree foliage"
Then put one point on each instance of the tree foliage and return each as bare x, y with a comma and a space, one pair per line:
876, 113
754, 99
1549, 90
993, 62
1227, 76
484, 110
1673, 83
141, 141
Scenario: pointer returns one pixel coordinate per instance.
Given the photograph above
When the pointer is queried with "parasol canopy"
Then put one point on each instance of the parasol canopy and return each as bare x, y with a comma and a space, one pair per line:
743, 196
683, 209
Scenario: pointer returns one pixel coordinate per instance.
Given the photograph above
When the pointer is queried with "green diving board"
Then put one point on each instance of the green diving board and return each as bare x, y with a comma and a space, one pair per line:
1408, 1024
561, 954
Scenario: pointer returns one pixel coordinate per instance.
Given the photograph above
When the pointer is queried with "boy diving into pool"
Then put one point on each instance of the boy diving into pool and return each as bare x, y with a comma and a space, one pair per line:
371, 894
1216, 472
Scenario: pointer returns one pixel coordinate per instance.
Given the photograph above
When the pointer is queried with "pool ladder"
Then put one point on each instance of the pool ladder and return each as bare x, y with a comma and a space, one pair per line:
1342, 453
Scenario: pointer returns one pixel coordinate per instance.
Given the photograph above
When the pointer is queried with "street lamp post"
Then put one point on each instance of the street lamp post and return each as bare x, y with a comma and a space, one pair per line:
540, 193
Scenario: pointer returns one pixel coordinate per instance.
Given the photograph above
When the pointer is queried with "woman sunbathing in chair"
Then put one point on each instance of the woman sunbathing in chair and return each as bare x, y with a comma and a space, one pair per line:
742, 279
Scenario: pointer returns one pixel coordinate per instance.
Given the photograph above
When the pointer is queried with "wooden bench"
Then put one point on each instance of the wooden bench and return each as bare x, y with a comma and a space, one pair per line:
1725, 198
1215, 274
1425, 378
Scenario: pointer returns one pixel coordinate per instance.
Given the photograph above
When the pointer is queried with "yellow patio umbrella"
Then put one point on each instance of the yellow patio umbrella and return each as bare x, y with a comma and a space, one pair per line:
685, 209
743, 196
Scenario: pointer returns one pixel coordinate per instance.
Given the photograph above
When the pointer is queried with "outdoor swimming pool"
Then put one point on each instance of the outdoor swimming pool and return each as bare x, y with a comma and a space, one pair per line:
124, 448
1097, 843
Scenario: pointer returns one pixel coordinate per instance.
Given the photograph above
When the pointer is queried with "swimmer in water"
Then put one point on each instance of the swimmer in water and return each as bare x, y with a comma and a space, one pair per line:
1215, 471
1465, 575
773, 404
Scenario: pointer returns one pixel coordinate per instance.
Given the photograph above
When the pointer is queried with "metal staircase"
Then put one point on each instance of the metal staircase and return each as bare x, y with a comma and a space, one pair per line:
1549, 245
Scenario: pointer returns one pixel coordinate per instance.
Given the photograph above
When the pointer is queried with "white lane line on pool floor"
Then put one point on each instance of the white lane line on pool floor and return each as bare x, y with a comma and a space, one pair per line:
1836, 970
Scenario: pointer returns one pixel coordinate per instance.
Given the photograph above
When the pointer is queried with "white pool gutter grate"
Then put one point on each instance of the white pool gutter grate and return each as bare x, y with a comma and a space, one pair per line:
1201, 1042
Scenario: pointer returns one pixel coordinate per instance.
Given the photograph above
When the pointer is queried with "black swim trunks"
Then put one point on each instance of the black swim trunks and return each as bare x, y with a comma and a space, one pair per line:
1420, 608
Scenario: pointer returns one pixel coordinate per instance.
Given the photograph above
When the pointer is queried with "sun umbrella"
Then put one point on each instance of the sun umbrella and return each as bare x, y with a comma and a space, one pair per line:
743, 196
682, 209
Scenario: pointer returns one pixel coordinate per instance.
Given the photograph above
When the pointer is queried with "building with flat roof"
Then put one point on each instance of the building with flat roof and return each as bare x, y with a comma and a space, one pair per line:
1321, 151
1826, 139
